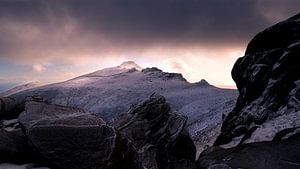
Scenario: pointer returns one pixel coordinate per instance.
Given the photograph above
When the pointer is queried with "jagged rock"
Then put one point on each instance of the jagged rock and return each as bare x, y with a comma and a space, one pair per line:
163, 75
150, 70
14, 149
11, 109
8, 108
282, 155
159, 134
202, 82
12, 126
268, 80
73, 138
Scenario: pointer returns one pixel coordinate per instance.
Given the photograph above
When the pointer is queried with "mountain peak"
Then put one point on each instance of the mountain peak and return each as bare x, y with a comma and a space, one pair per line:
203, 82
130, 65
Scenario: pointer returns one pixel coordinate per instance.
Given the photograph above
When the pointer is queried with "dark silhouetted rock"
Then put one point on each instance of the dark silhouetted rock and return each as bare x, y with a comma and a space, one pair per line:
263, 155
268, 80
12, 126
203, 82
8, 108
11, 109
72, 138
14, 149
159, 134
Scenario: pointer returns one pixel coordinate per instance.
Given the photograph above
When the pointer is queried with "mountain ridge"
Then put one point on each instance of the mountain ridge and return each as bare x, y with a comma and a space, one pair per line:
112, 91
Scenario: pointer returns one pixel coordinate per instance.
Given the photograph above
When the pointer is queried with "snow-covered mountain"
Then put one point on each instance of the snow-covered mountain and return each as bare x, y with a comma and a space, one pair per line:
111, 91
20, 88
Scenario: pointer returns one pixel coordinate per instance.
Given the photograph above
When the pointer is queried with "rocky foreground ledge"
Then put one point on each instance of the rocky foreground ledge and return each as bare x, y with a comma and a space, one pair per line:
148, 136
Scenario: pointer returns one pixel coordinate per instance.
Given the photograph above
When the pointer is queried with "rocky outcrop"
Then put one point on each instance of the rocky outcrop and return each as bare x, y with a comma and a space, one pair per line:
280, 154
8, 108
14, 148
73, 138
268, 80
149, 136
154, 71
159, 134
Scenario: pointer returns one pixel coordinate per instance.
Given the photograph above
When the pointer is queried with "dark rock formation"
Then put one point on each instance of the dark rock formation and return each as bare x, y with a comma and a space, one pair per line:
72, 138
203, 82
267, 78
8, 108
12, 126
159, 134
164, 75
14, 149
265, 155
11, 109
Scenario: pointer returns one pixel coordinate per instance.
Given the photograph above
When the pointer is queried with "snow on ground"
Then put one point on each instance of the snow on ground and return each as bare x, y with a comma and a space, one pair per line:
23, 166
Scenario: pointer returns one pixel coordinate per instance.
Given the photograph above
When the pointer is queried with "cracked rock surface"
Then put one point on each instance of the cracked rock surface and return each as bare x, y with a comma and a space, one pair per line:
73, 138
268, 80
159, 134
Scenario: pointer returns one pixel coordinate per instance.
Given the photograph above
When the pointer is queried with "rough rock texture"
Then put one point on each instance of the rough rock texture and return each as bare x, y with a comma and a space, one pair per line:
14, 148
268, 80
159, 134
282, 154
72, 138
8, 108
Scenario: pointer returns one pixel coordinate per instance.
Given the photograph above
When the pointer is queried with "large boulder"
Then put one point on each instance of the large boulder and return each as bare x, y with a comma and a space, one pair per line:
268, 80
73, 138
8, 108
11, 109
159, 134
14, 148
282, 154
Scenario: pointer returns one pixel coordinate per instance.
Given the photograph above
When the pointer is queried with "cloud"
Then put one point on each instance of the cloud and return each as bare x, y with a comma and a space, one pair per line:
38, 68
276, 10
72, 30
175, 65
93, 34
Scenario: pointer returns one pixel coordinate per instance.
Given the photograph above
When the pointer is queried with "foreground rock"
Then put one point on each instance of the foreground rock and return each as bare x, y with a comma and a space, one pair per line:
159, 134
72, 138
282, 155
8, 108
268, 79
14, 148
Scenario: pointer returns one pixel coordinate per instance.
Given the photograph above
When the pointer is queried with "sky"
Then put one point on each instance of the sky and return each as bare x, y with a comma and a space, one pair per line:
55, 40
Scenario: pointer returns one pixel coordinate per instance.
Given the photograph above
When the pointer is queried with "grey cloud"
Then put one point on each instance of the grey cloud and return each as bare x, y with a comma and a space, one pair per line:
38, 27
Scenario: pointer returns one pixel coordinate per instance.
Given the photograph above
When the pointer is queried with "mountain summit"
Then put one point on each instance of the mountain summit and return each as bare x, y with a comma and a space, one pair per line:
130, 65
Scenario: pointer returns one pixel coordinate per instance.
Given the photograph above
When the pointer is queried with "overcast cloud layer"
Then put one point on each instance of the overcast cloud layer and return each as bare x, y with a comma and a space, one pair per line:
46, 32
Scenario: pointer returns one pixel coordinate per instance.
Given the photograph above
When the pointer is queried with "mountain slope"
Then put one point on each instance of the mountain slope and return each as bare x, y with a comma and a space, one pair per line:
112, 91
20, 88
